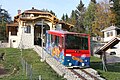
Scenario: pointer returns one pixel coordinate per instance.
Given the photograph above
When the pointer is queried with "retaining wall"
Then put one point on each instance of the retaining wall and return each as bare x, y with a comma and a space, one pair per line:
57, 66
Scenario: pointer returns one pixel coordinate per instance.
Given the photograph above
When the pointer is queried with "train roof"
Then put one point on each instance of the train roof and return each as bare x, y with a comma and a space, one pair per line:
64, 32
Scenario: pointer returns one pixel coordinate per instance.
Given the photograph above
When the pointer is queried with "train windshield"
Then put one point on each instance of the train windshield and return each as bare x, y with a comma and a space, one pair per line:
75, 41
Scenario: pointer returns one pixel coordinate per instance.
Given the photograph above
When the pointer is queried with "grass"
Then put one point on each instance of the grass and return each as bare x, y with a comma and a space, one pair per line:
13, 59
113, 70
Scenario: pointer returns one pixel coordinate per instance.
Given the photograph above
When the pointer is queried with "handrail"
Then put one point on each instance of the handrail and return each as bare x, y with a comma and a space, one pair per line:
108, 45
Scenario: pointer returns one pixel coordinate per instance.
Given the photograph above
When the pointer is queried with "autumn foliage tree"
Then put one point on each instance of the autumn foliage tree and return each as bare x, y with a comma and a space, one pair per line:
93, 19
103, 18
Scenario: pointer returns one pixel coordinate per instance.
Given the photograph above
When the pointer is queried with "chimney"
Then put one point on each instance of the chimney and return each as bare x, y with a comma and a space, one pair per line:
19, 11
33, 8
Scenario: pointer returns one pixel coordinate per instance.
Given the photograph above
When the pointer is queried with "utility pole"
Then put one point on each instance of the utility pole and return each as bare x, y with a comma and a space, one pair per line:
42, 52
0, 6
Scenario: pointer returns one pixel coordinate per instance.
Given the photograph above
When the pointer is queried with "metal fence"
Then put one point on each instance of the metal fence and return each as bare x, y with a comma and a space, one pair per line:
28, 70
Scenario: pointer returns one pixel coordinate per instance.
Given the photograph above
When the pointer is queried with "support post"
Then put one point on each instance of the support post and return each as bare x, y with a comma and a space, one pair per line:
104, 61
42, 52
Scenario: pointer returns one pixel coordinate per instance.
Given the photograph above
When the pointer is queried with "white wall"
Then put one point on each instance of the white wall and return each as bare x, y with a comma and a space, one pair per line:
28, 38
50, 24
116, 57
13, 40
22, 39
106, 39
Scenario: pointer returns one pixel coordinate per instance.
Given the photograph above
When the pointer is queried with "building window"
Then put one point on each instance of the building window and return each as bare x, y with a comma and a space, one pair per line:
118, 32
109, 34
27, 29
14, 30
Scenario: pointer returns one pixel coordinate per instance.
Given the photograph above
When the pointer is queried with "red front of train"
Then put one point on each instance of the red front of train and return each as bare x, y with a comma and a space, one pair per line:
69, 48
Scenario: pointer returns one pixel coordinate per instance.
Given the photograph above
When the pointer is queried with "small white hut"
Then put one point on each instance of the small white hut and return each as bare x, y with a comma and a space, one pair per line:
114, 52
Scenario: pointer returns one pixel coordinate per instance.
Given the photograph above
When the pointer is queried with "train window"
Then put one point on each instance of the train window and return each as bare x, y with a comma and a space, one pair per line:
112, 53
27, 29
56, 40
48, 37
76, 42
52, 38
62, 42
85, 43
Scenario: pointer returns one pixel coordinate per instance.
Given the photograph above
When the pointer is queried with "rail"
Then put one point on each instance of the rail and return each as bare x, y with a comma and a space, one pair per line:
69, 74
84, 75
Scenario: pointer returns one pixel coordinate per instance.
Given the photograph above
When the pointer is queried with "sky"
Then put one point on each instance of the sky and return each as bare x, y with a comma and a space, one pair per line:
60, 7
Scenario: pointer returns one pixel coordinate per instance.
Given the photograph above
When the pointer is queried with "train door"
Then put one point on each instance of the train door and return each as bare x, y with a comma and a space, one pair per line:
55, 46
61, 49
48, 42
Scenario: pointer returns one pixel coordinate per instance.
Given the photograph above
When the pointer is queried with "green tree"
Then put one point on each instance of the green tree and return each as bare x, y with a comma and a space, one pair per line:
4, 18
63, 17
116, 10
73, 14
52, 12
66, 18
73, 18
46, 10
89, 18
79, 13
94, 1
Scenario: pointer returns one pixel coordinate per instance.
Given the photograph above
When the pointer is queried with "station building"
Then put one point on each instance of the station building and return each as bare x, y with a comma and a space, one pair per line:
29, 27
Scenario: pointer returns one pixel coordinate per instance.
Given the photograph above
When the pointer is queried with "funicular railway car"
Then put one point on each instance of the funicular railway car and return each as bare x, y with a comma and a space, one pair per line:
69, 48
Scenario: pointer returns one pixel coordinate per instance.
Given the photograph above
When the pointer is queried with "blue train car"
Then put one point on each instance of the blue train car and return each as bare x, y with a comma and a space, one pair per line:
69, 48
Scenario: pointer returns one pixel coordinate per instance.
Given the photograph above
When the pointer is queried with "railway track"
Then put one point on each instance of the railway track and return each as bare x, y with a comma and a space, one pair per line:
70, 73
84, 75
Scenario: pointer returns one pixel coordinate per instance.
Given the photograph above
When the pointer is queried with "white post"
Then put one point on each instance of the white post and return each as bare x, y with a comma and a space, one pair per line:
26, 68
30, 72
42, 54
21, 41
103, 61
39, 77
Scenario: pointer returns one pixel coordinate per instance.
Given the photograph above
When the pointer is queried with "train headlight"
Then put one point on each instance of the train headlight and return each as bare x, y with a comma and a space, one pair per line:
85, 60
68, 60
83, 64
70, 64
